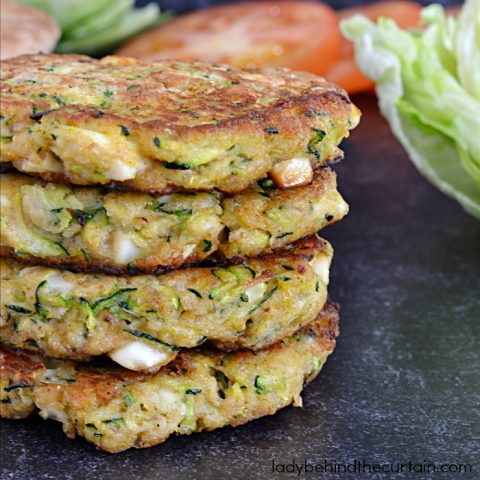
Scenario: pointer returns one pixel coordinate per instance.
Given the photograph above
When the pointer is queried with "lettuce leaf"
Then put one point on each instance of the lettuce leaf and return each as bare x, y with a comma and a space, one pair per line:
104, 40
428, 86
97, 27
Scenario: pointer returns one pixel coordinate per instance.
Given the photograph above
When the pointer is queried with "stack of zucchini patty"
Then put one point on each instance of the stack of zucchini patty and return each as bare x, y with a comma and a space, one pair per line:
160, 268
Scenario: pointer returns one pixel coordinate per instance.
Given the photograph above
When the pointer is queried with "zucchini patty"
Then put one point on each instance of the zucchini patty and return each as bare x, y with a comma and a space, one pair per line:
116, 409
93, 230
142, 321
165, 126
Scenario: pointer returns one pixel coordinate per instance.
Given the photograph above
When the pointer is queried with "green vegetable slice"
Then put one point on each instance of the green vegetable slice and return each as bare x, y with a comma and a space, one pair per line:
70, 13
108, 17
18, 309
147, 336
108, 39
97, 27
38, 303
260, 384
113, 299
264, 299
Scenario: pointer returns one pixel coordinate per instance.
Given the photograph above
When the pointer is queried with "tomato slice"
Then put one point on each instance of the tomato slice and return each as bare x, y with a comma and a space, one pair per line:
345, 72
302, 35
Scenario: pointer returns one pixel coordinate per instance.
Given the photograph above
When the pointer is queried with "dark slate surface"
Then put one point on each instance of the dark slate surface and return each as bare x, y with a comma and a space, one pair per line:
403, 384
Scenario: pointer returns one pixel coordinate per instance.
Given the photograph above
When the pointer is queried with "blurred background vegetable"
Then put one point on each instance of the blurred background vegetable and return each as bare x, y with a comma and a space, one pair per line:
302, 35
97, 27
428, 85
427, 75
345, 72
299, 35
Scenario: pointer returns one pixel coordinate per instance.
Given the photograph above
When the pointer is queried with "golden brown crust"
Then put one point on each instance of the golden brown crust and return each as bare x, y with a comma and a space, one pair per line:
97, 385
19, 367
80, 265
251, 306
93, 388
297, 249
18, 375
138, 186
189, 125
169, 232
252, 97
201, 390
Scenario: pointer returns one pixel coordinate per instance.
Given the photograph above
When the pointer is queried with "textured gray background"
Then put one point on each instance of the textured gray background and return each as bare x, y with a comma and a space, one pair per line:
403, 384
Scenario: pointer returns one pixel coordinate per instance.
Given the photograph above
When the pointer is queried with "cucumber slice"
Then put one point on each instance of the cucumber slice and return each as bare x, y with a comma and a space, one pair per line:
71, 13
108, 39
102, 21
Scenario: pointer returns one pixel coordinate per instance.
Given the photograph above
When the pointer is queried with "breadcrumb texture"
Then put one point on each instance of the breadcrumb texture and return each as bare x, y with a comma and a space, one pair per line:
201, 390
250, 305
91, 229
164, 126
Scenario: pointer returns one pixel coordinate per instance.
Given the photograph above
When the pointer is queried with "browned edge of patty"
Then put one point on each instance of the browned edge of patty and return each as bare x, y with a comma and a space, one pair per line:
62, 179
305, 247
330, 100
18, 367
92, 384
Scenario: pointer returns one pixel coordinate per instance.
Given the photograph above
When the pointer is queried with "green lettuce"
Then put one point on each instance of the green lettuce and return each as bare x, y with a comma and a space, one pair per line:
428, 86
97, 27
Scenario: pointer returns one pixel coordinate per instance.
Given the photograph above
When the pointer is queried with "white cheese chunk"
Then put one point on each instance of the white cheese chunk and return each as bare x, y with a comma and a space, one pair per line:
54, 414
46, 163
256, 292
292, 173
166, 398
27, 271
137, 356
188, 250
124, 250
321, 267
4, 201
164, 199
168, 401
57, 284
111, 155
120, 171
